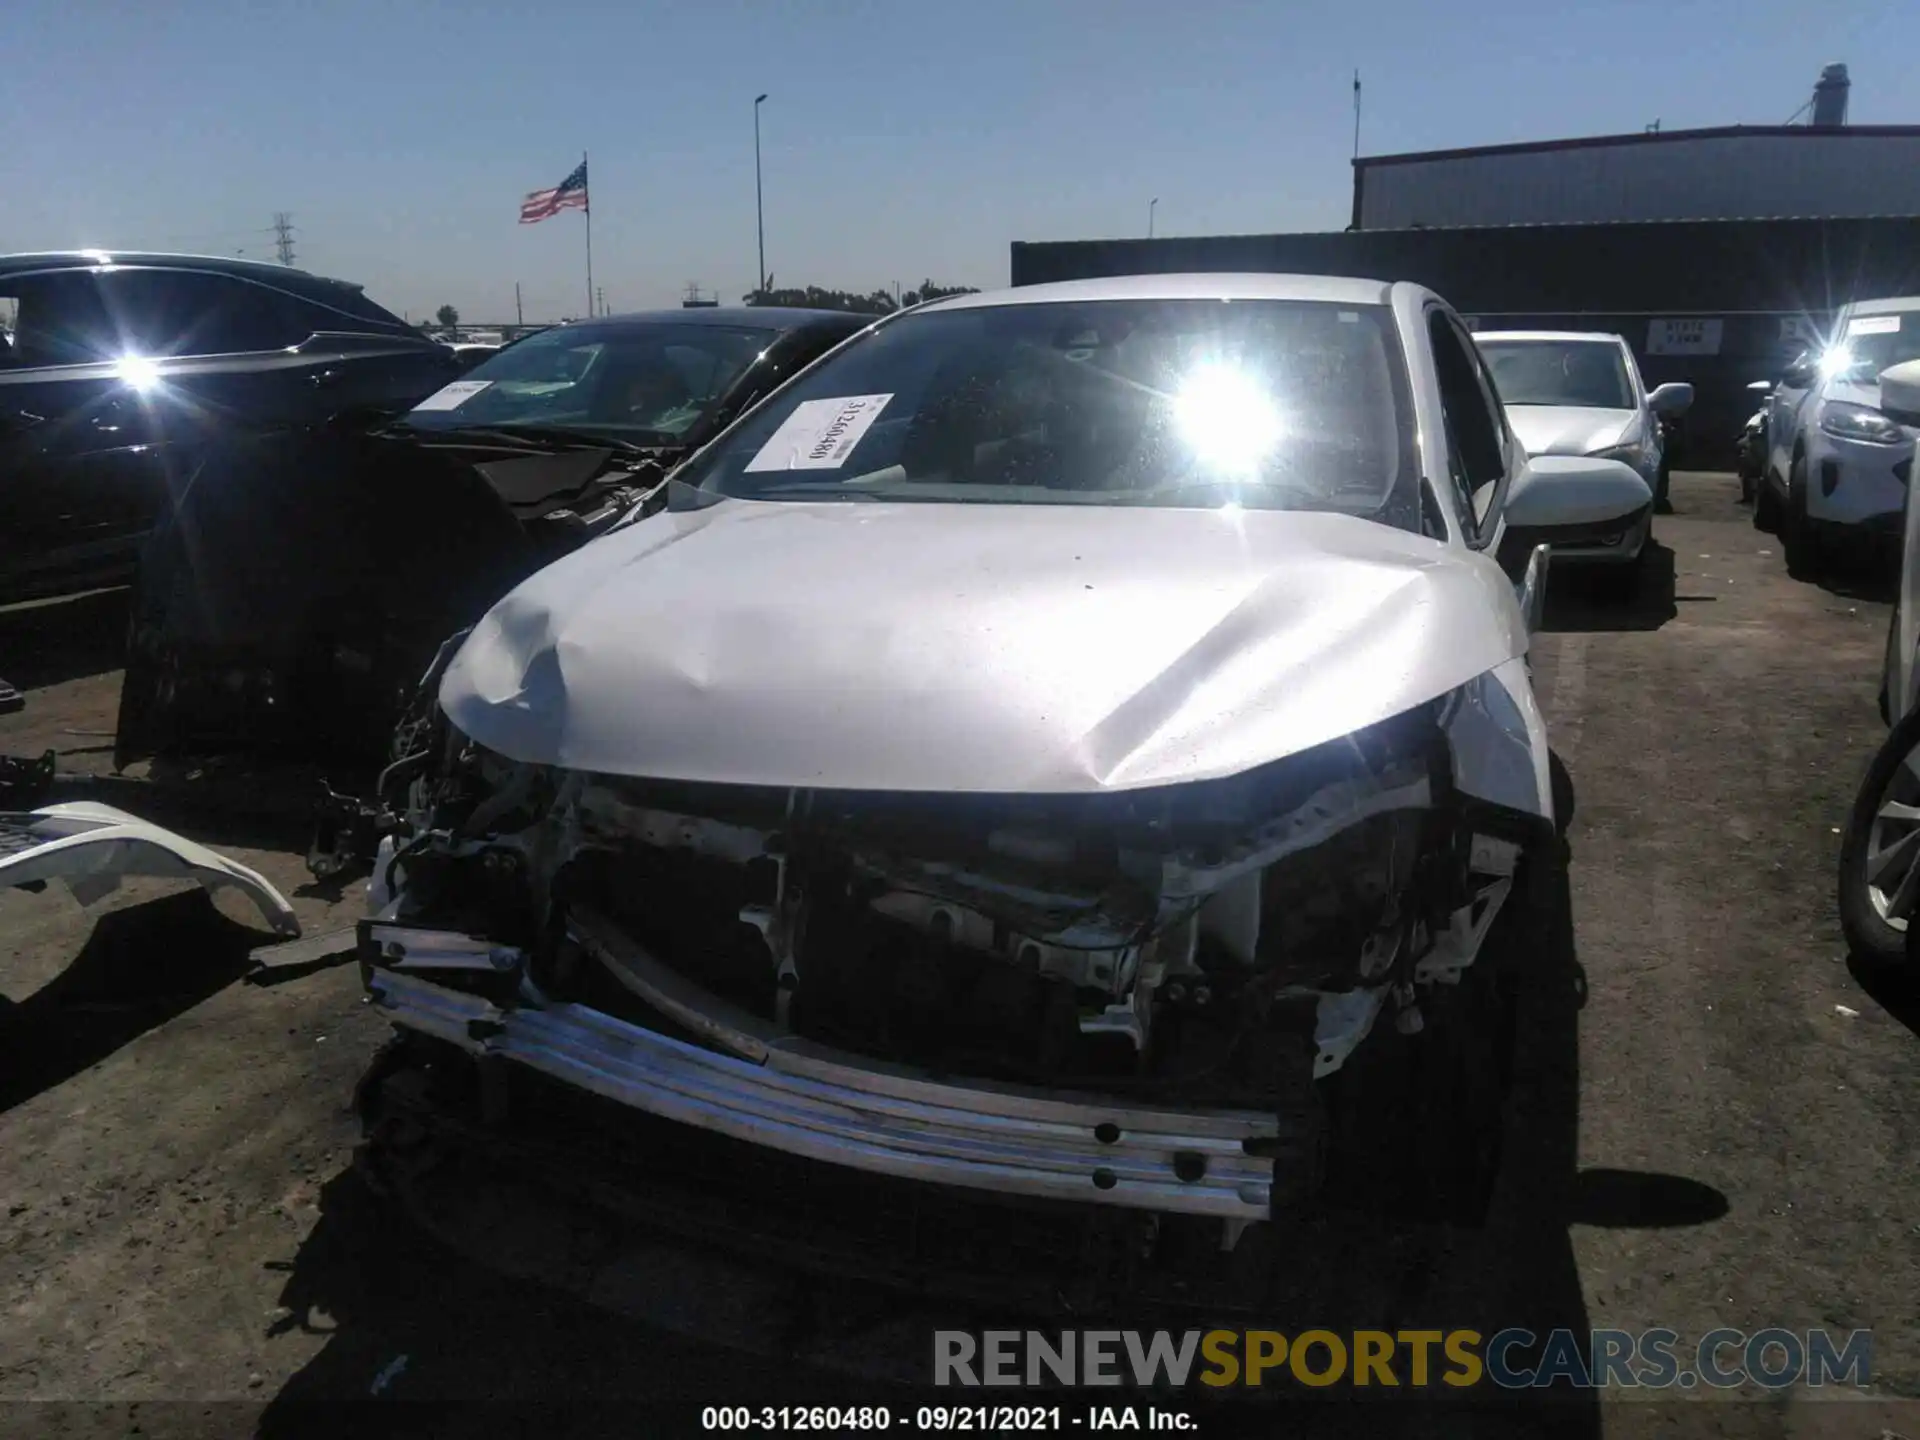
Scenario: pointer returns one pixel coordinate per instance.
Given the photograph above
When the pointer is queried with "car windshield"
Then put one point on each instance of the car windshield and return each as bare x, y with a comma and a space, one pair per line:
1590, 374
635, 381
1261, 403
1872, 343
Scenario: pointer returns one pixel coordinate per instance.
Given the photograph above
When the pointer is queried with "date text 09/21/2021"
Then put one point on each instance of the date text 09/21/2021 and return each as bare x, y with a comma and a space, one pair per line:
937, 1419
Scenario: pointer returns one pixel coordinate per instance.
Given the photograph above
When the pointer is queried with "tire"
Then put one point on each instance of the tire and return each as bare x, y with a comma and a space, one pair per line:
1799, 539
1870, 935
1662, 505
1418, 1121
1766, 507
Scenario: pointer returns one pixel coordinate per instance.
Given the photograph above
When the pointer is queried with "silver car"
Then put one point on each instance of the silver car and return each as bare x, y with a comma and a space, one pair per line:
1574, 393
1074, 744
1880, 848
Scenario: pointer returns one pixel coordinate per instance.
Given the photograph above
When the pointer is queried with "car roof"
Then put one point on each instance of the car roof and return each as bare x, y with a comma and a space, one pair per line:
1330, 288
760, 317
1597, 337
21, 264
1895, 304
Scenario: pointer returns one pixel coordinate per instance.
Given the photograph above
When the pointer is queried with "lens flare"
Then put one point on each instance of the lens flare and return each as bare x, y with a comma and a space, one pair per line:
1837, 359
1227, 418
139, 372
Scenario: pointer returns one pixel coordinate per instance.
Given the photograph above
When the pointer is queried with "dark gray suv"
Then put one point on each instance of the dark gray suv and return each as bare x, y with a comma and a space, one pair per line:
122, 368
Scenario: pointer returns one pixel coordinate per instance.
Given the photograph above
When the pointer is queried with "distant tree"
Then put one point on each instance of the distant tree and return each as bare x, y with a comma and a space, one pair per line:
930, 291
877, 302
448, 317
815, 297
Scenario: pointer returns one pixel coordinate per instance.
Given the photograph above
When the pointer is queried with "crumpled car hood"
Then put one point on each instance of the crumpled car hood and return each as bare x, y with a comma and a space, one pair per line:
1571, 429
972, 648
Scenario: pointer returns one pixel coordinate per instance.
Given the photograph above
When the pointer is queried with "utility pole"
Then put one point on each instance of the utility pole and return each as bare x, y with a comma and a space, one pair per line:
759, 205
1152, 205
283, 235
519, 315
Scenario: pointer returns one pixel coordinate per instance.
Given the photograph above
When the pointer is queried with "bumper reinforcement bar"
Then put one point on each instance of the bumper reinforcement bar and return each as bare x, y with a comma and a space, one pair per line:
830, 1107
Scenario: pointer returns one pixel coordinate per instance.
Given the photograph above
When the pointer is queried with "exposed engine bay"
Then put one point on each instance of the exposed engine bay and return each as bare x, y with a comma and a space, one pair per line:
1129, 997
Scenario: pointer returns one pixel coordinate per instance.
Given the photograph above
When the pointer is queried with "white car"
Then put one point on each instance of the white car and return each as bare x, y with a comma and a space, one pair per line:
1837, 468
1575, 393
1074, 743
1880, 848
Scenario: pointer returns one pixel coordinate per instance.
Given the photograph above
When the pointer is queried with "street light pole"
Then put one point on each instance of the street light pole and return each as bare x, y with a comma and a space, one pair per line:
1151, 204
759, 205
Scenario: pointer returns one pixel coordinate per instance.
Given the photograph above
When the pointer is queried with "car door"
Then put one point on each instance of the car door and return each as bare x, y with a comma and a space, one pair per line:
132, 371
74, 437
1483, 456
1790, 401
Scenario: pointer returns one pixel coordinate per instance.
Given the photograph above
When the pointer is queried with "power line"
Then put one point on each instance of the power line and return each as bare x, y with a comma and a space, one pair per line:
283, 235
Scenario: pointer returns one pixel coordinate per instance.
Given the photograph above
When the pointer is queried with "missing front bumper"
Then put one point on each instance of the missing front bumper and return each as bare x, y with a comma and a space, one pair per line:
820, 1104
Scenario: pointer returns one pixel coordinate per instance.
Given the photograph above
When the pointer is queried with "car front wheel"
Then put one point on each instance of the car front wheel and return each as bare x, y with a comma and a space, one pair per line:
1417, 1115
1766, 506
1880, 850
1799, 536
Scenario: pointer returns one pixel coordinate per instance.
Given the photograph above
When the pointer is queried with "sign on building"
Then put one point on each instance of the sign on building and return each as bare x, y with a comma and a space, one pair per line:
1683, 337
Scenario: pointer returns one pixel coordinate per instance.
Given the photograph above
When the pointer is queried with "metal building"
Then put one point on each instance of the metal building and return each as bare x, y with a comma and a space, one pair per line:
1740, 172
1716, 303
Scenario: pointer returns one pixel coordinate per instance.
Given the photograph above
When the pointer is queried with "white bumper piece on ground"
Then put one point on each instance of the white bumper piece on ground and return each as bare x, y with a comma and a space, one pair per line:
92, 847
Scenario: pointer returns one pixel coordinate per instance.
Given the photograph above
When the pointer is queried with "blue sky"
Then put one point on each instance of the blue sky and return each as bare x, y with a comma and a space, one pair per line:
903, 139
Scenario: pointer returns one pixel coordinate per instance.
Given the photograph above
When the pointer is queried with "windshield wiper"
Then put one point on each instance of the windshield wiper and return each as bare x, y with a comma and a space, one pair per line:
829, 489
529, 433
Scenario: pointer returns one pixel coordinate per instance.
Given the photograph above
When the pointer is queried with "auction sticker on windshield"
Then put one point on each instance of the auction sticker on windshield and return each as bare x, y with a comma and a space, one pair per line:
452, 397
819, 434
1874, 325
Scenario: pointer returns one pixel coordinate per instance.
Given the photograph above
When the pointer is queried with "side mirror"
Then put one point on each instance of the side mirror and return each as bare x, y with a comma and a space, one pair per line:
1573, 500
1799, 376
1900, 393
1671, 401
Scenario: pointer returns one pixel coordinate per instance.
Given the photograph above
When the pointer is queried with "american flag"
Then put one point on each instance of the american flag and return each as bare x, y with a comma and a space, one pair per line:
569, 194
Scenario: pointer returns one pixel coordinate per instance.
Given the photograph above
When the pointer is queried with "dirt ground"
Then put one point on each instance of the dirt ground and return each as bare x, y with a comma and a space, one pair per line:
1714, 1125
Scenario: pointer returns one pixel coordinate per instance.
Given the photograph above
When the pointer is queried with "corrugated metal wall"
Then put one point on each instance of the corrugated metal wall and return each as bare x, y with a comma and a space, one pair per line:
1829, 174
1764, 281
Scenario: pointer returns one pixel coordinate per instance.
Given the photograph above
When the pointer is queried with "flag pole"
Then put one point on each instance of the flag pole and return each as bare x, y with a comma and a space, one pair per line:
589, 209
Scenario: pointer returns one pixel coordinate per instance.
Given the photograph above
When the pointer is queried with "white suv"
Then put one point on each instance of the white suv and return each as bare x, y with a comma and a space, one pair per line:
1574, 393
1837, 468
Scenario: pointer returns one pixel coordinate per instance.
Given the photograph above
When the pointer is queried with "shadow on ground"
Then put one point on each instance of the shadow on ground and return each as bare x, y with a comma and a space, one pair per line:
140, 967
45, 642
1587, 598
462, 1323
1894, 990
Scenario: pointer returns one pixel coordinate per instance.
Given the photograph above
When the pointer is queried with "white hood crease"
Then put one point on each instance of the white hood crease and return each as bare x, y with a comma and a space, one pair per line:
972, 648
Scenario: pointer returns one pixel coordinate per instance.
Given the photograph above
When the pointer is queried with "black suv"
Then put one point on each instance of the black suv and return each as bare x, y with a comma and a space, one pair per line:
122, 367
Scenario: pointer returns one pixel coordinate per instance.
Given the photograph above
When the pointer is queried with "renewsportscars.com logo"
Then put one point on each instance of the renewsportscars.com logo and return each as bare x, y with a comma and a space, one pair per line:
1511, 1359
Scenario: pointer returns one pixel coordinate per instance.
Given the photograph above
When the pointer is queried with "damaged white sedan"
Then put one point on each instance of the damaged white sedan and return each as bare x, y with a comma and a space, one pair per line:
1075, 743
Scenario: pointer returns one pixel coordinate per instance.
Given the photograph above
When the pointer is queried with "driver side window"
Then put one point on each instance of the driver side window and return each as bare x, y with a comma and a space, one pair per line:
1475, 430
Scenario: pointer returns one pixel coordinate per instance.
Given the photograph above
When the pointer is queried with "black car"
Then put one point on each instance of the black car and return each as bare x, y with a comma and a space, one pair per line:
295, 618
122, 368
